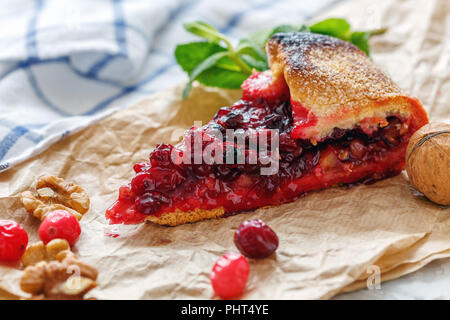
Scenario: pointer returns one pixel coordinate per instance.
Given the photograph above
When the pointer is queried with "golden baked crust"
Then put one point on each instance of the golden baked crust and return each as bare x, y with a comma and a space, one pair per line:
336, 82
179, 217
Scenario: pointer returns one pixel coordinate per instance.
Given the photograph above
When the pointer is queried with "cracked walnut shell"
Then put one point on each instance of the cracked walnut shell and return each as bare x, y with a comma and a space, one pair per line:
53, 193
428, 162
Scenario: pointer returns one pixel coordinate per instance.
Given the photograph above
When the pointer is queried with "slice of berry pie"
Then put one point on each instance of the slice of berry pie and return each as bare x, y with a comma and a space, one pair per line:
324, 115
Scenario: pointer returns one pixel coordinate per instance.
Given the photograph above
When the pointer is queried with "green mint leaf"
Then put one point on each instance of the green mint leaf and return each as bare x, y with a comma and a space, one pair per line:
190, 55
228, 64
248, 47
361, 40
221, 78
283, 29
254, 63
224, 74
338, 28
203, 30
203, 66
227, 67
259, 38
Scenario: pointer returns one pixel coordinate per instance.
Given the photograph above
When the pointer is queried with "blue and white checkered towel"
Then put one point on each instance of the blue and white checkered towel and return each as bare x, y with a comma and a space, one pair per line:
65, 64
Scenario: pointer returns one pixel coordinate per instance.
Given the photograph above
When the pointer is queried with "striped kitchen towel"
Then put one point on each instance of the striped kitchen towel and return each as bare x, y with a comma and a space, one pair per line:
66, 64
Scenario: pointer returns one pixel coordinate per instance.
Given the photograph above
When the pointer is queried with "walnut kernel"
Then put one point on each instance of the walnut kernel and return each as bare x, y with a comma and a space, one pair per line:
61, 276
57, 249
53, 193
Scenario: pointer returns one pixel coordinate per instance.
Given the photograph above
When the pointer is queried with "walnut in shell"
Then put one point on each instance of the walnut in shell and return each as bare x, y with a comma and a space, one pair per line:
428, 162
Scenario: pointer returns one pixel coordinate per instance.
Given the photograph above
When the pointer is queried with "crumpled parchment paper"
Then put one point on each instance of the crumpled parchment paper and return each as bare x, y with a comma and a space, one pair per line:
332, 240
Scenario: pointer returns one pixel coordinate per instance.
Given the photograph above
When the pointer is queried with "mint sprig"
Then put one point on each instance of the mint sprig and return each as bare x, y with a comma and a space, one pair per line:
216, 58
217, 63
340, 28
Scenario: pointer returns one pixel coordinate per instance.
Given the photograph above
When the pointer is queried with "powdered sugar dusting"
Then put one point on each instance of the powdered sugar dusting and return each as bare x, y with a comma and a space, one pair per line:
333, 78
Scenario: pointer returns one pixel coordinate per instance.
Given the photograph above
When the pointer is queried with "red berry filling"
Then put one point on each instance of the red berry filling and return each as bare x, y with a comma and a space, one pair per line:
255, 239
181, 178
302, 118
261, 86
13, 241
229, 275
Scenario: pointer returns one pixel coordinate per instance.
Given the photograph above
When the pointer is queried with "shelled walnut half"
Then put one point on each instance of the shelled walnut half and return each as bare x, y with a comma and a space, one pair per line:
53, 193
54, 272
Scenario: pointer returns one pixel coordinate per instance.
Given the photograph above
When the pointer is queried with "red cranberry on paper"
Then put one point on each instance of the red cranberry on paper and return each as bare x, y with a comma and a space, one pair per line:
229, 275
255, 239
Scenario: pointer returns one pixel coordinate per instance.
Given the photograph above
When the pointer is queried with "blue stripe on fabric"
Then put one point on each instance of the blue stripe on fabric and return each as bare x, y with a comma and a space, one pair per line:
35, 138
31, 62
99, 65
156, 74
227, 28
172, 15
34, 84
28, 63
130, 89
105, 81
92, 74
31, 42
31, 48
234, 20
32, 53
31, 136
106, 103
120, 35
10, 140
119, 25
126, 26
137, 31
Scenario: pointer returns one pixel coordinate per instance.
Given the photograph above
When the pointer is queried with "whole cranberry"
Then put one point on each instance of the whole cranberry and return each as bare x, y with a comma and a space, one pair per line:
166, 179
13, 240
229, 275
150, 202
141, 182
255, 239
233, 120
147, 204
60, 224
161, 155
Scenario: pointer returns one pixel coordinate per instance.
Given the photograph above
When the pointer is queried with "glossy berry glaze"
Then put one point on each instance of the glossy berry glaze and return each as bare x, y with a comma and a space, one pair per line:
165, 184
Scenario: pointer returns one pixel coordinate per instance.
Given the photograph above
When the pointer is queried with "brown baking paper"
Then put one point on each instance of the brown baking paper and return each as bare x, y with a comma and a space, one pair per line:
330, 241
